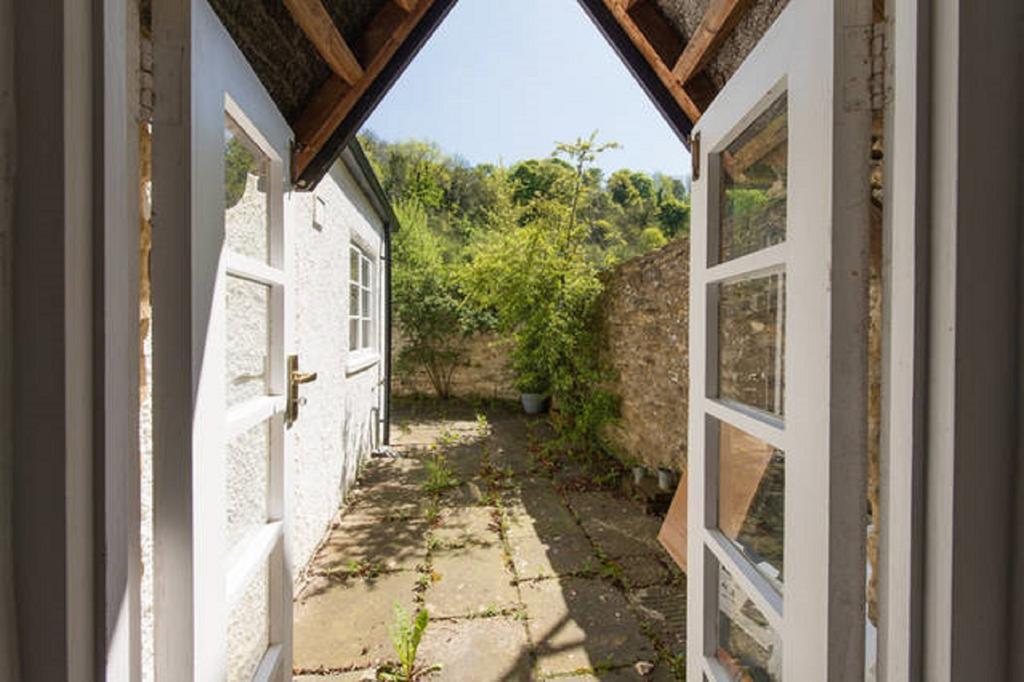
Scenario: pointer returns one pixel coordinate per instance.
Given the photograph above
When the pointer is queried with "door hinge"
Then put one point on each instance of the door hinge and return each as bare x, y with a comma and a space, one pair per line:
879, 82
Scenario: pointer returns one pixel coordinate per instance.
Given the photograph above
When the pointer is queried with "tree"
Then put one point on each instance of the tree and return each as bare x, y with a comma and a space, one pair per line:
537, 278
674, 217
429, 305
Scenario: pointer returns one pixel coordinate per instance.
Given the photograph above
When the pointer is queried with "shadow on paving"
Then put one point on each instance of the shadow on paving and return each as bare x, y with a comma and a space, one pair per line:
526, 576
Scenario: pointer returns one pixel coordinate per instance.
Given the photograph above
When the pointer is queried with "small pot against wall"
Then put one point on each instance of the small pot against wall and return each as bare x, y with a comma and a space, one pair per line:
534, 403
638, 474
666, 479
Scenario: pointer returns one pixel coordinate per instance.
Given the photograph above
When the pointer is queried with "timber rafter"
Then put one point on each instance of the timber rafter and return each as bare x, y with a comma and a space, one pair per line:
675, 75
336, 98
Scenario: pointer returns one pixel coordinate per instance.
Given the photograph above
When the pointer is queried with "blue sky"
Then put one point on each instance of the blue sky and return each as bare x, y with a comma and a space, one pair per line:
503, 80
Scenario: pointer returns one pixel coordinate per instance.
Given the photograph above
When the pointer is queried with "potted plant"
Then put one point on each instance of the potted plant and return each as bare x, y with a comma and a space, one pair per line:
533, 388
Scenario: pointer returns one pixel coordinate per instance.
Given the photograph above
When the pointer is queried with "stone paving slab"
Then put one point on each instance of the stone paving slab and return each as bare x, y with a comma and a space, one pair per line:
393, 545
664, 606
628, 674
538, 510
389, 500
616, 525
643, 570
472, 581
368, 675
328, 614
466, 526
578, 623
554, 554
478, 649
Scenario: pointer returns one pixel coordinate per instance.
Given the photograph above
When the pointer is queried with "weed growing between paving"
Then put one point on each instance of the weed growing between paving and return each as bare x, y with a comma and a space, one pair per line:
406, 634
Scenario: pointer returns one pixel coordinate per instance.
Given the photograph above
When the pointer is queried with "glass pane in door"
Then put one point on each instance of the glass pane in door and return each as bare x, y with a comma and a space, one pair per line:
751, 499
249, 628
751, 342
247, 471
753, 186
748, 646
248, 340
246, 182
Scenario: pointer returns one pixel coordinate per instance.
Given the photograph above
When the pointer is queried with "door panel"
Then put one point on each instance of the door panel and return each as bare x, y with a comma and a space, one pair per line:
223, 587
776, 473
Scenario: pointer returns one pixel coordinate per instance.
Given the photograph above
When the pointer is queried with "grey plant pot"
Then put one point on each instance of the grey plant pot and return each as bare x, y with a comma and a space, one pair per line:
666, 477
533, 403
638, 474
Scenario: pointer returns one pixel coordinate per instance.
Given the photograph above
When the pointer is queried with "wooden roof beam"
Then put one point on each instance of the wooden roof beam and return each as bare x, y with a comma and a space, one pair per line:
647, 49
335, 99
715, 26
314, 20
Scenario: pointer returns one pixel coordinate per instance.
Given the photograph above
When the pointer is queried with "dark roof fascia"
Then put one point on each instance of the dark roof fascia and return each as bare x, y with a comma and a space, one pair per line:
359, 165
595, 9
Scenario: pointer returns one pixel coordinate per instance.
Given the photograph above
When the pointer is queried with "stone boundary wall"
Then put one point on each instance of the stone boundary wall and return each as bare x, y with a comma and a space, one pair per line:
486, 373
644, 319
645, 314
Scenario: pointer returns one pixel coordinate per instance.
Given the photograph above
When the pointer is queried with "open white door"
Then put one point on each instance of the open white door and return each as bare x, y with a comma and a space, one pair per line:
223, 587
775, 538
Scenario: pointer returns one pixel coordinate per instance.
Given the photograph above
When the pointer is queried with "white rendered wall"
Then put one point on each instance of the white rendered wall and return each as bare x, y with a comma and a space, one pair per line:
336, 429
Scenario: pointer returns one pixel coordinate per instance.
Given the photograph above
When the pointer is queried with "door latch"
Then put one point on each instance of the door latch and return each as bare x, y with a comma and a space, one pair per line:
295, 378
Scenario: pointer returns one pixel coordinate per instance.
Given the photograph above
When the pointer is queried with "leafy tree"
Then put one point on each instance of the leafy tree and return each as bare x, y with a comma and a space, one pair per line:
537, 278
674, 217
428, 303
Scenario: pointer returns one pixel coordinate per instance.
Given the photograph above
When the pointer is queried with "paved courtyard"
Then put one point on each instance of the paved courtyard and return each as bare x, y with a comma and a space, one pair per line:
528, 570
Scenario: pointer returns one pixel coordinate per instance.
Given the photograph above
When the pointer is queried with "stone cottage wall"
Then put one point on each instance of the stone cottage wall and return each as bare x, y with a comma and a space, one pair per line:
645, 315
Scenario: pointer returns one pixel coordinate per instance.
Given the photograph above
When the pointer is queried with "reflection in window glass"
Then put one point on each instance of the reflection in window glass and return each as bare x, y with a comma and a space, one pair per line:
246, 202
748, 646
753, 186
360, 310
751, 499
248, 340
751, 342
248, 482
249, 629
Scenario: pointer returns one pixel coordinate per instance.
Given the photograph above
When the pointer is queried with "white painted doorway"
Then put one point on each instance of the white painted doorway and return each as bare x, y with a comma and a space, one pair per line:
221, 264
776, 469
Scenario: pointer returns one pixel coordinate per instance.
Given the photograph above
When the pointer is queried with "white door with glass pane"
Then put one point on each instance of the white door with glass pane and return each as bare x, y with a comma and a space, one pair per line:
257, 586
777, 459
222, 593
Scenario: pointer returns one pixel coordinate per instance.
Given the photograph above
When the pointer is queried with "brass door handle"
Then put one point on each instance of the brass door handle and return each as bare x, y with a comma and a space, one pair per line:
295, 379
303, 377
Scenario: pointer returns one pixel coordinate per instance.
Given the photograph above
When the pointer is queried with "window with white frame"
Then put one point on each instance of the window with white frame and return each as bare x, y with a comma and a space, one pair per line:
360, 300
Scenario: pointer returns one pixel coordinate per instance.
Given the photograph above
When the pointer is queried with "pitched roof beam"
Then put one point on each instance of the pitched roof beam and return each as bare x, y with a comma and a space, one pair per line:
715, 26
336, 98
314, 20
656, 41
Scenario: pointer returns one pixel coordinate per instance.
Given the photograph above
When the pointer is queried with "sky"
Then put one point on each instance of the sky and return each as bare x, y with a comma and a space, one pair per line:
503, 80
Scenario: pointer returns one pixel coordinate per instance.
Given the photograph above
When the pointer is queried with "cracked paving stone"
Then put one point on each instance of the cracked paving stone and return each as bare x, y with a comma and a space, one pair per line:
471, 581
329, 613
477, 649
466, 527
395, 545
664, 606
643, 570
616, 525
552, 554
578, 624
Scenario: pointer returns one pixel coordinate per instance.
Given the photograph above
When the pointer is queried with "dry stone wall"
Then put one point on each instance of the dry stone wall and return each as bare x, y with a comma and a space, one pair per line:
486, 372
645, 313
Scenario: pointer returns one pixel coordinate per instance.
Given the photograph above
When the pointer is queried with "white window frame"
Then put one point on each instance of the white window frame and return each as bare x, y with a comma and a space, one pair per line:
364, 348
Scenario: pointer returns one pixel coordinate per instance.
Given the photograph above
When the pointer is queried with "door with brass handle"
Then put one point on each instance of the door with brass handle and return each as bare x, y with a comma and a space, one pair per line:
295, 378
